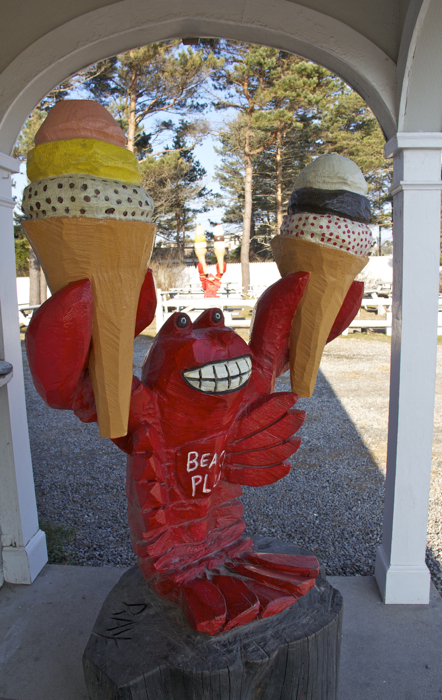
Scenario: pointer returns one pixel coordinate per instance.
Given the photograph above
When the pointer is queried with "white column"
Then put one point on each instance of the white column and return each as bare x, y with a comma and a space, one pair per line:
401, 572
23, 545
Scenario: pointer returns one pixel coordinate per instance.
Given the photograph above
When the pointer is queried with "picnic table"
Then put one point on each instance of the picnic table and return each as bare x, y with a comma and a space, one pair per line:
226, 289
25, 313
381, 302
231, 306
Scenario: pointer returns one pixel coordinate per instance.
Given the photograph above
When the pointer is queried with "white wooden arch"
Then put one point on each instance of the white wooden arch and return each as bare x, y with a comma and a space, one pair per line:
401, 84
420, 69
122, 26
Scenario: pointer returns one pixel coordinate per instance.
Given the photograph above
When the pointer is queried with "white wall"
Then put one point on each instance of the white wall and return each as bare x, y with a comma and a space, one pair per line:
22, 290
378, 269
263, 274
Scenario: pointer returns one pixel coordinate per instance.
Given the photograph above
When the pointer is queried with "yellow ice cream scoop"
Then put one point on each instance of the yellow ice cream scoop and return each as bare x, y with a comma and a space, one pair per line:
200, 236
87, 156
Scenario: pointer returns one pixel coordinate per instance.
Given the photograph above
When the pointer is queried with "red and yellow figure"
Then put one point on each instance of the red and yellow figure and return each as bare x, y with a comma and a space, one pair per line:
210, 283
204, 419
220, 246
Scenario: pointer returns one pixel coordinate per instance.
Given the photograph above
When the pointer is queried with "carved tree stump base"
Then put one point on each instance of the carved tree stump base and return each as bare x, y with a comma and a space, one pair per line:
142, 648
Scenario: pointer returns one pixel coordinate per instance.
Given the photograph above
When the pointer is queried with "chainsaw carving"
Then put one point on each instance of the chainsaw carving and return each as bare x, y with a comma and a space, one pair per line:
203, 420
210, 283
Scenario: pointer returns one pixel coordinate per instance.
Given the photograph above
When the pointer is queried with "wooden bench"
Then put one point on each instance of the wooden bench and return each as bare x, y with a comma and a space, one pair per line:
358, 323
25, 314
193, 306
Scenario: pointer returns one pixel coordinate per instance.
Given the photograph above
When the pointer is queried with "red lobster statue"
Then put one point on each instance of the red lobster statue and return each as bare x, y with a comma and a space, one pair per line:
203, 420
211, 283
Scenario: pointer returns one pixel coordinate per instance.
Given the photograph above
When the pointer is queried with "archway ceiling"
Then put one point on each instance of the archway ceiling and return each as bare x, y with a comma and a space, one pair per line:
360, 40
380, 21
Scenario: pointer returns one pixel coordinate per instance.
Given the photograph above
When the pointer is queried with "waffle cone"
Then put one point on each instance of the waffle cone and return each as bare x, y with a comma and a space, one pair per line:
114, 256
201, 255
331, 274
220, 252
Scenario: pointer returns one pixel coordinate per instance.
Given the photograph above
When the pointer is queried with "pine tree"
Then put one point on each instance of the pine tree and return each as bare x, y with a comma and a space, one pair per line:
21, 247
298, 146
174, 180
336, 120
266, 87
153, 80
350, 129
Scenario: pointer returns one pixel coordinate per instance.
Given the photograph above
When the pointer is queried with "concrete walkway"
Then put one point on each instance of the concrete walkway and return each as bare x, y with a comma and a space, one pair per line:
388, 652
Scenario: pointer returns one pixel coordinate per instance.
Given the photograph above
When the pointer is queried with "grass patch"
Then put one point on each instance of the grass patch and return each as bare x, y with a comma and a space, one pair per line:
57, 537
150, 331
244, 333
382, 337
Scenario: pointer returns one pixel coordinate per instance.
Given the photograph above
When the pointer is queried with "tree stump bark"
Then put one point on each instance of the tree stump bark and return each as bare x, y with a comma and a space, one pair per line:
142, 648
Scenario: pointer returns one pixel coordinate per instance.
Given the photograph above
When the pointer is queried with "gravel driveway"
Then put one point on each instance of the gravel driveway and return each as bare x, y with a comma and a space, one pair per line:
331, 502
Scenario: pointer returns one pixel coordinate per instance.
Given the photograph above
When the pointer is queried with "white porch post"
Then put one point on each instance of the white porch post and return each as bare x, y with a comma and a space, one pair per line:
23, 545
401, 572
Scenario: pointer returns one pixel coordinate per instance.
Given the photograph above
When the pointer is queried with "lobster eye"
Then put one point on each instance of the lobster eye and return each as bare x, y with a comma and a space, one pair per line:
182, 321
217, 316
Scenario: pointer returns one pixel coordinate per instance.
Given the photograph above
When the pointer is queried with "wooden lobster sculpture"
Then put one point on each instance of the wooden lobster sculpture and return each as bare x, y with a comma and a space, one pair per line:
203, 420
211, 283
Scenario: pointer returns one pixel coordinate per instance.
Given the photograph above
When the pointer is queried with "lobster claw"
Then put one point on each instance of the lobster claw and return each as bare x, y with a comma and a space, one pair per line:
58, 342
147, 303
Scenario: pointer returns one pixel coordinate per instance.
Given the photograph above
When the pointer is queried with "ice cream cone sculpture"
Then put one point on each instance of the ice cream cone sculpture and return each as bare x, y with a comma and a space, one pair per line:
324, 233
210, 283
218, 237
88, 218
201, 247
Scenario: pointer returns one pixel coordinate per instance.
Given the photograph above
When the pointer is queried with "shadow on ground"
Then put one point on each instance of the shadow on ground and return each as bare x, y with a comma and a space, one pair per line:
332, 500
432, 560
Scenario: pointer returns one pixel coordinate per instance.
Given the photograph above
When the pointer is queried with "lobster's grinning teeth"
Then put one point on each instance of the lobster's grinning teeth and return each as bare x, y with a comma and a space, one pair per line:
220, 377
